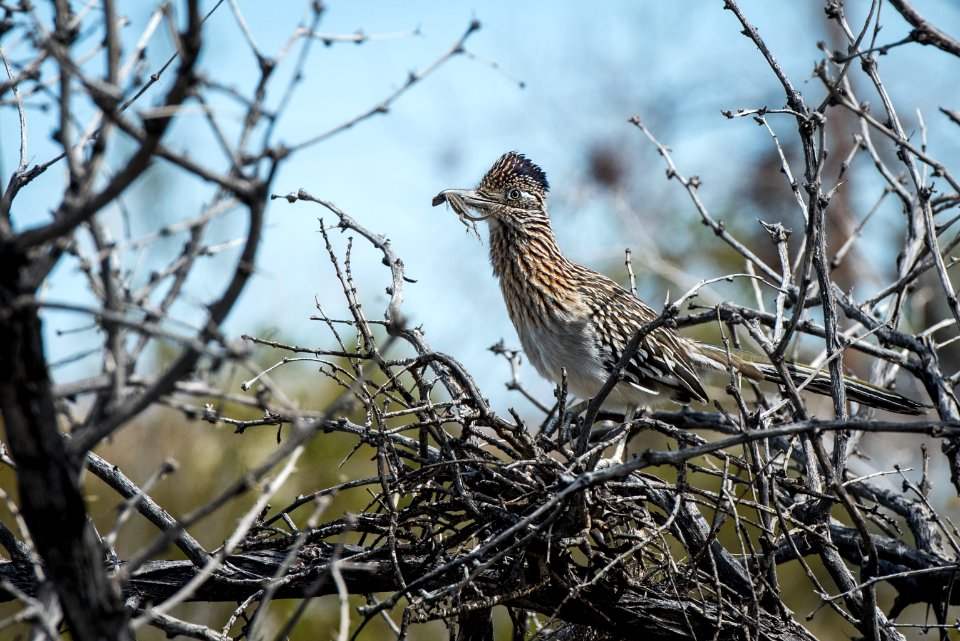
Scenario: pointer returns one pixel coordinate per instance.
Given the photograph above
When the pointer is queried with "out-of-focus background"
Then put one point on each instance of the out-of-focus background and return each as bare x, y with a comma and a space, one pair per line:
556, 81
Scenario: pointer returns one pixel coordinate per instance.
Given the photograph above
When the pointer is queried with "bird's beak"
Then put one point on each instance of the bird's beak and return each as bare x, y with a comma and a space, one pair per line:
461, 200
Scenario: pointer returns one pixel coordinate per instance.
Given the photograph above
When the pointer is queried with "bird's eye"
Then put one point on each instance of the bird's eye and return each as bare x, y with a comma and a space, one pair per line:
513, 194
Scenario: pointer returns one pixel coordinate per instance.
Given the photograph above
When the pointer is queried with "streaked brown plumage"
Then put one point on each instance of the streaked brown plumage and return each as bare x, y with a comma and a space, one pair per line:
571, 318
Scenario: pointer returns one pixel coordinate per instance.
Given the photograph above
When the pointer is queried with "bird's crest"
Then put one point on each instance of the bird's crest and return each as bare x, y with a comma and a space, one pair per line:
515, 170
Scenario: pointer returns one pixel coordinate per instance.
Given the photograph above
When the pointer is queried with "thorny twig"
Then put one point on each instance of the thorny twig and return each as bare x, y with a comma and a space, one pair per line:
455, 508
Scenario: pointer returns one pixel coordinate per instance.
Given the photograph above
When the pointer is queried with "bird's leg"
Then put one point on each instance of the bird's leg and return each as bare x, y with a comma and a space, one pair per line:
622, 439
598, 462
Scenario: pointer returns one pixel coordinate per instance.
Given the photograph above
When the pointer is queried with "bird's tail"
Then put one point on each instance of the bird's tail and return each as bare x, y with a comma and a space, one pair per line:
857, 390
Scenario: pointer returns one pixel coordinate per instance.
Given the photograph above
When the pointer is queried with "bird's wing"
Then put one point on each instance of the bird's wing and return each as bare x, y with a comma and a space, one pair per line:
664, 358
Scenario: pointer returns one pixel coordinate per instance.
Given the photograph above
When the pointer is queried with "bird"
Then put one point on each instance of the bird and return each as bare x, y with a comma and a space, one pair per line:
574, 323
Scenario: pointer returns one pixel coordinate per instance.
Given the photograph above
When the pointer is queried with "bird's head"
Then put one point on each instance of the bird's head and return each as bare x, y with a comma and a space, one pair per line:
512, 192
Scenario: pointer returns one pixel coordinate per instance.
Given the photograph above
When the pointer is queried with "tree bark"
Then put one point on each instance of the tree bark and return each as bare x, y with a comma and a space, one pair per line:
51, 501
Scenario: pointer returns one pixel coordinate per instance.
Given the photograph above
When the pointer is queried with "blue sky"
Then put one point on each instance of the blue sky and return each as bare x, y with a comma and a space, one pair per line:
584, 72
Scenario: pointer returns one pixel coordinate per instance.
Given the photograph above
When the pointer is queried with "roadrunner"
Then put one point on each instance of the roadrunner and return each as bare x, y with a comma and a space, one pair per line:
572, 319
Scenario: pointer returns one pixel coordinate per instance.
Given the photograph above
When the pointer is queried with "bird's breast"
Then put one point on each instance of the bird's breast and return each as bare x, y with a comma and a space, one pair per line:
556, 346
544, 298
